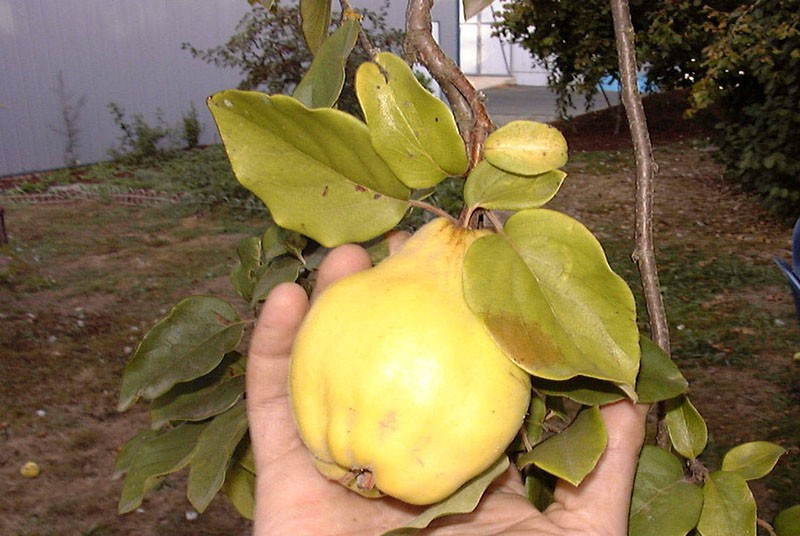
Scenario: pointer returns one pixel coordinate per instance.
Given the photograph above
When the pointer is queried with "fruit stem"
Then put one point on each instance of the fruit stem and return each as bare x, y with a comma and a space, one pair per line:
432, 208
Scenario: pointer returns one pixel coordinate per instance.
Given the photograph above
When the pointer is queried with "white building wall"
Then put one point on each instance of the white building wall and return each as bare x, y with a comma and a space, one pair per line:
122, 51
482, 54
128, 52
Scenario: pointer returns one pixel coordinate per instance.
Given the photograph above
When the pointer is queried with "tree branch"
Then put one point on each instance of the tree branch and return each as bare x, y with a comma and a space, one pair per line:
363, 39
644, 255
468, 106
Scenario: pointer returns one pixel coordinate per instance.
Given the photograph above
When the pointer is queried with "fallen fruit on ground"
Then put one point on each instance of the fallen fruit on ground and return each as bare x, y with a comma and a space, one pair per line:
397, 387
30, 470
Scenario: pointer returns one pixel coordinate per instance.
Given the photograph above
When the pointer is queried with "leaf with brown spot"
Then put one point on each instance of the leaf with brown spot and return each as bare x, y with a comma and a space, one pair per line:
551, 302
289, 155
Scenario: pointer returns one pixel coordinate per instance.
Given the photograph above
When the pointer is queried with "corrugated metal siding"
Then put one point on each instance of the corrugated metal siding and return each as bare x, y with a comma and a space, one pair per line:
123, 51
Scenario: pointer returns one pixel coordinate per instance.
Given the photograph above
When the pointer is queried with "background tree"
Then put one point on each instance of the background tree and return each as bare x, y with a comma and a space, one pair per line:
270, 51
738, 57
752, 72
575, 40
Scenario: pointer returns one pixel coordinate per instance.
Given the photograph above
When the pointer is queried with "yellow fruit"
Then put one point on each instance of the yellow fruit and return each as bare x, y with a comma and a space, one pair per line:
30, 470
396, 386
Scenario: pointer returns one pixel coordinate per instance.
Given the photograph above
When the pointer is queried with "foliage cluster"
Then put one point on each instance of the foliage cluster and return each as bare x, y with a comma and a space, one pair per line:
190, 122
280, 147
141, 142
575, 40
739, 57
752, 75
206, 409
270, 52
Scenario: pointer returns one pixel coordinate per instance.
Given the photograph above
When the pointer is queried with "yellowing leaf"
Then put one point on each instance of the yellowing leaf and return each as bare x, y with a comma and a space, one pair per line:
526, 148
752, 460
728, 506
323, 82
494, 189
571, 454
687, 429
663, 503
315, 169
550, 300
412, 130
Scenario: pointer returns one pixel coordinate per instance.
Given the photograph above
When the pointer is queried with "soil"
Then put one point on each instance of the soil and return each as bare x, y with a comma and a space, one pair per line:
64, 342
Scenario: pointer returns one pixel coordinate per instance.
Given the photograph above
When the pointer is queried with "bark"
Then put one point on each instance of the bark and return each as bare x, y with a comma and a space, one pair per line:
646, 167
467, 103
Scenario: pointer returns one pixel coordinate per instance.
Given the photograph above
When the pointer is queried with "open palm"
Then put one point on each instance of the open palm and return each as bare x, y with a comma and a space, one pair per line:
293, 498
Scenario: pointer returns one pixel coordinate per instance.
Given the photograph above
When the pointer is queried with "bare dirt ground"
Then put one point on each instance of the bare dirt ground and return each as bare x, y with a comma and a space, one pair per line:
80, 283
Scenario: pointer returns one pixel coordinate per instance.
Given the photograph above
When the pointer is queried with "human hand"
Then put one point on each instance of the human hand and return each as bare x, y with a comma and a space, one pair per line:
293, 498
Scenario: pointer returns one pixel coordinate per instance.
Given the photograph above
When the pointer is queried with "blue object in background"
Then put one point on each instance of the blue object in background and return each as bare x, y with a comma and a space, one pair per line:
792, 272
610, 84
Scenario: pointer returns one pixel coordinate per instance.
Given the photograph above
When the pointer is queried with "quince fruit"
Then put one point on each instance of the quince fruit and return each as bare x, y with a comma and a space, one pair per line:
397, 387
30, 470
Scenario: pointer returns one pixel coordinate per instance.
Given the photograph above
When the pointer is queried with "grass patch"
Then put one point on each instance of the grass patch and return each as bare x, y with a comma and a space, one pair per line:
598, 162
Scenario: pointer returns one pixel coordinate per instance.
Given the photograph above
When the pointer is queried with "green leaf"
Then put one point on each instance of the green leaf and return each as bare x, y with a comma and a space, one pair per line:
586, 391
274, 243
283, 270
787, 523
240, 488
534, 422
752, 460
203, 398
315, 169
161, 455
547, 295
244, 273
316, 19
211, 459
473, 7
463, 501
323, 82
686, 427
494, 189
412, 130
728, 506
190, 342
248, 459
663, 503
539, 488
659, 377
526, 148
573, 453
128, 452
